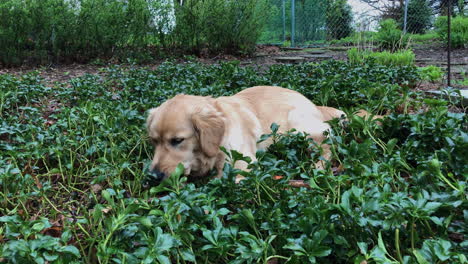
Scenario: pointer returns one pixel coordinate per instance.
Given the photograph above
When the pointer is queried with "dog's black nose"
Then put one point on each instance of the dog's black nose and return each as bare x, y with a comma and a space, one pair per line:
158, 175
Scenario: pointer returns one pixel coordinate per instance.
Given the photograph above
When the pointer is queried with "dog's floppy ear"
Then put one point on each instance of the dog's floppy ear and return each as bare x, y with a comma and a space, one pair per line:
209, 125
151, 115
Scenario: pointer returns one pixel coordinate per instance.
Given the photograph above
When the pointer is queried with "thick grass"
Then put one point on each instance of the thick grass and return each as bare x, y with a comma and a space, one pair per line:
399, 58
74, 189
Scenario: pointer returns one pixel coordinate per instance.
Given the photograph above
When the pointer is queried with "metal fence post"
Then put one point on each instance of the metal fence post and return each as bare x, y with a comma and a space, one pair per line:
405, 17
293, 21
449, 45
284, 20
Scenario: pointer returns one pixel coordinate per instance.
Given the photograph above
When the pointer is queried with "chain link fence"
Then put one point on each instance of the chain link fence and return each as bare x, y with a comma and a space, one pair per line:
306, 22
314, 22
418, 16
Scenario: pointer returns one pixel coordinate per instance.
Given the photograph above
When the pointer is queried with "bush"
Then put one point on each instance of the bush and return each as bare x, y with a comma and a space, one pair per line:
390, 37
219, 26
339, 19
35, 30
459, 30
419, 16
400, 58
42, 31
51, 30
234, 26
273, 29
311, 21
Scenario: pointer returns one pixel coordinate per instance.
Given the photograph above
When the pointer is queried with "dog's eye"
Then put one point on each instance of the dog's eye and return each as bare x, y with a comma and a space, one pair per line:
176, 141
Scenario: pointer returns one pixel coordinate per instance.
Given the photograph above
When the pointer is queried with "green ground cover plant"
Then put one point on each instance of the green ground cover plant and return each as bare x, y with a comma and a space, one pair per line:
74, 185
431, 73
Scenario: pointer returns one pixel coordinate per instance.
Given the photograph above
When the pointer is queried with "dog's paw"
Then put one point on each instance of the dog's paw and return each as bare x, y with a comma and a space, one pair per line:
239, 178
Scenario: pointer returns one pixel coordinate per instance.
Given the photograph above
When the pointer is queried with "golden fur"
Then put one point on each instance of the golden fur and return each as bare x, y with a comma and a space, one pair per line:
190, 129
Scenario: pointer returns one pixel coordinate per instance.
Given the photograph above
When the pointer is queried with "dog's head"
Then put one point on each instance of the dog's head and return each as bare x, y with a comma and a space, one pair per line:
185, 129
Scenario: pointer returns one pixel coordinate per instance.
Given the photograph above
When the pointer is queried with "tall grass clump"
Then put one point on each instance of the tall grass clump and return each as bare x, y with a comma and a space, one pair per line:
399, 58
459, 30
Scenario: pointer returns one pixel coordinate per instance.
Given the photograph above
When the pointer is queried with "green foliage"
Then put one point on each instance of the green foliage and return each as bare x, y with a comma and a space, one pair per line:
43, 31
34, 247
221, 26
419, 16
424, 38
52, 30
459, 30
361, 38
273, 28
390, 37
464, 79
431, 73
339, 19
80, 149
310, 21
399, 58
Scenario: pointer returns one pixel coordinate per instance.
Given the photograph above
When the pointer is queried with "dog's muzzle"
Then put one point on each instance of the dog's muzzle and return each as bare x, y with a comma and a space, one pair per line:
158, 175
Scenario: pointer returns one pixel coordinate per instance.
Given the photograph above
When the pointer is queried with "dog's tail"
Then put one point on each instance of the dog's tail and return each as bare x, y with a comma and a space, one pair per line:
367, 115
329, 113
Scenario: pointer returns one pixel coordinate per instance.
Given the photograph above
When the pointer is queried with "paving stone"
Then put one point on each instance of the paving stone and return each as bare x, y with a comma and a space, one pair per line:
453, 95
316, 51
319, 57
289, 59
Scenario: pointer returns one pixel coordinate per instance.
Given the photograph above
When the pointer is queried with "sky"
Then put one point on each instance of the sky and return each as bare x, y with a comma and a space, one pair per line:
359, 6
362, 13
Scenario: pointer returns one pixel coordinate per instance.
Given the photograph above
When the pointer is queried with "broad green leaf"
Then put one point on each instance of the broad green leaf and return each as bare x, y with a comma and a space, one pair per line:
419, 257
71, 249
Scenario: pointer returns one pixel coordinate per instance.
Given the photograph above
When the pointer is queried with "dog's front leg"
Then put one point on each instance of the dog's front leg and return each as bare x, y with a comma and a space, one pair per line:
326, 155
242, 165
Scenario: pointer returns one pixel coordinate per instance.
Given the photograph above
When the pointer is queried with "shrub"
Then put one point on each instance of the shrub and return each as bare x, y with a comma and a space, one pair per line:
400, 58
43, 31
390, 37
220, 26
50, 30
273, 29
339, 19
234, 26
35, 30
419, 16
310, 20
459, 30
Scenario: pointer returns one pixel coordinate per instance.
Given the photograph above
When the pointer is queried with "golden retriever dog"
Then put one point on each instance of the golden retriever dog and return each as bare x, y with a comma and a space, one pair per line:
190, 129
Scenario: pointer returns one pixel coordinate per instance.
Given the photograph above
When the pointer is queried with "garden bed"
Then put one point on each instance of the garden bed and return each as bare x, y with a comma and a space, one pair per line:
74, 188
